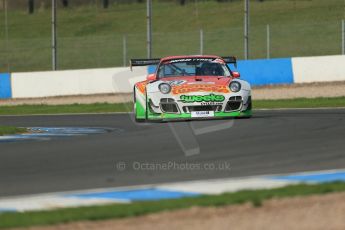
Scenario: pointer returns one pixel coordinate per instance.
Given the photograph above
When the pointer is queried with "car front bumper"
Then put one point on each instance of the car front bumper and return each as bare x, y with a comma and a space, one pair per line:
188, 116
233, 106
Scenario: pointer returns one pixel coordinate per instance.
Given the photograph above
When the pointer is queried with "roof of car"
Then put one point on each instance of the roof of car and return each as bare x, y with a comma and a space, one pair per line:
189, 56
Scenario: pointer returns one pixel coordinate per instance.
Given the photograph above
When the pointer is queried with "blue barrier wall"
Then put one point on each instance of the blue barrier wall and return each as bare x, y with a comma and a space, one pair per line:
266, 71
261, 71
5, 86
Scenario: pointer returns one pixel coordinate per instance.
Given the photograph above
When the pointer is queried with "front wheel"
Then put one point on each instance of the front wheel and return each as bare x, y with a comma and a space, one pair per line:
139, 110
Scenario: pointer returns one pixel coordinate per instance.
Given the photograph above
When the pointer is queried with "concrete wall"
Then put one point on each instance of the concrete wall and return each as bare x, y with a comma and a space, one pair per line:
119, 80
73, 82
318, 69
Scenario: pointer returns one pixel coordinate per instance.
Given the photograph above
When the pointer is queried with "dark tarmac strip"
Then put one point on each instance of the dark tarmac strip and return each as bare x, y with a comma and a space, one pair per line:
272, 142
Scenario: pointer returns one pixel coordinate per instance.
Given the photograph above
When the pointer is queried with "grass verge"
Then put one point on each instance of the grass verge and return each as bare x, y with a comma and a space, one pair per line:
8, 130
61, 109
301, 103
256, 197
127, 107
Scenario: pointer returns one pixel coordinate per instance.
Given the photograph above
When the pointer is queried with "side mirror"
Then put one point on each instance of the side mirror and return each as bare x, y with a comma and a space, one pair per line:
151, 77
236, 74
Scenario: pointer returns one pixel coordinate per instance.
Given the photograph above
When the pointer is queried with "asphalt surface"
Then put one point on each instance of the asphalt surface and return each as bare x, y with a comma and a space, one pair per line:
271, 142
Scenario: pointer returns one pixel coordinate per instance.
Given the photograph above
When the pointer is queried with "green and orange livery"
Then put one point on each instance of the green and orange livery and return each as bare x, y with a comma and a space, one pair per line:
191, 87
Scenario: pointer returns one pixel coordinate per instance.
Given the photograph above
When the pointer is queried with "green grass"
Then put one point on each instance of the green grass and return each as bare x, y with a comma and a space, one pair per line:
68, 109
8, 130
94, 213
91, 37
128, 107
300, 103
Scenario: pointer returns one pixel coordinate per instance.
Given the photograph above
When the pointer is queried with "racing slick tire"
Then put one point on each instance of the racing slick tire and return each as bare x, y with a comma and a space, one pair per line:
139, 120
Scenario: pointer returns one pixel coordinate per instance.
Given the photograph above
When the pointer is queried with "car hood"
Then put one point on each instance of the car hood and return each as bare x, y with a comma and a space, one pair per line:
196, 84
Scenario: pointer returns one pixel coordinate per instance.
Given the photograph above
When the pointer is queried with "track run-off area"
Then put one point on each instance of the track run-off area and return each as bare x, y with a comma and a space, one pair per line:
271, 142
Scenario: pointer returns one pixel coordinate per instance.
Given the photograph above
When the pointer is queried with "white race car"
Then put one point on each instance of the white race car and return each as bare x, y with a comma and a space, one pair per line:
191, 87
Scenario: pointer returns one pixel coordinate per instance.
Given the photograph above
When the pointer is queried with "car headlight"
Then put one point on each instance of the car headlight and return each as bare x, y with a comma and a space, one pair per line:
235, 86
164, 88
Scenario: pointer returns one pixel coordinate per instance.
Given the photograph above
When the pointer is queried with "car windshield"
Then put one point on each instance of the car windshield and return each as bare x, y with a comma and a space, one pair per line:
190, 67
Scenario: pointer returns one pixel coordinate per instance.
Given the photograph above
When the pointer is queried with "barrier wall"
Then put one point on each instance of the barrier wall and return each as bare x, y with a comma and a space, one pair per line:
290, 70
266, 71
101, 81
262, 71
319, 69
73, 82
5, 86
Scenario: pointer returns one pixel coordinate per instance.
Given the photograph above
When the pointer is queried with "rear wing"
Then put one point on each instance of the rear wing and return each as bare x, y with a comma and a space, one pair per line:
144, 62
156, 61
230, 60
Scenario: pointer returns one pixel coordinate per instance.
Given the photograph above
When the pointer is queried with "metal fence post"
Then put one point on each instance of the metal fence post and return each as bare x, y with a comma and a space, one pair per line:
201, 42
343, 37
124, 50
149, 27
54, 49
5, 5
246, 29
268, 36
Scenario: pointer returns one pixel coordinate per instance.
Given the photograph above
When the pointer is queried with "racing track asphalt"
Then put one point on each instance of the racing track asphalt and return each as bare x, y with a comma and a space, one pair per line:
272, 142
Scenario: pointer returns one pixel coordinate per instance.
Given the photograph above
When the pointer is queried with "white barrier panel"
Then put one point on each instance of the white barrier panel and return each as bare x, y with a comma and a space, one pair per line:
74, 82
100, 81
318, 69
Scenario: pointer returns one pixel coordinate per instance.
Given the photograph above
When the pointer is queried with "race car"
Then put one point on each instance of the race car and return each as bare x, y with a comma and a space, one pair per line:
191, 88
